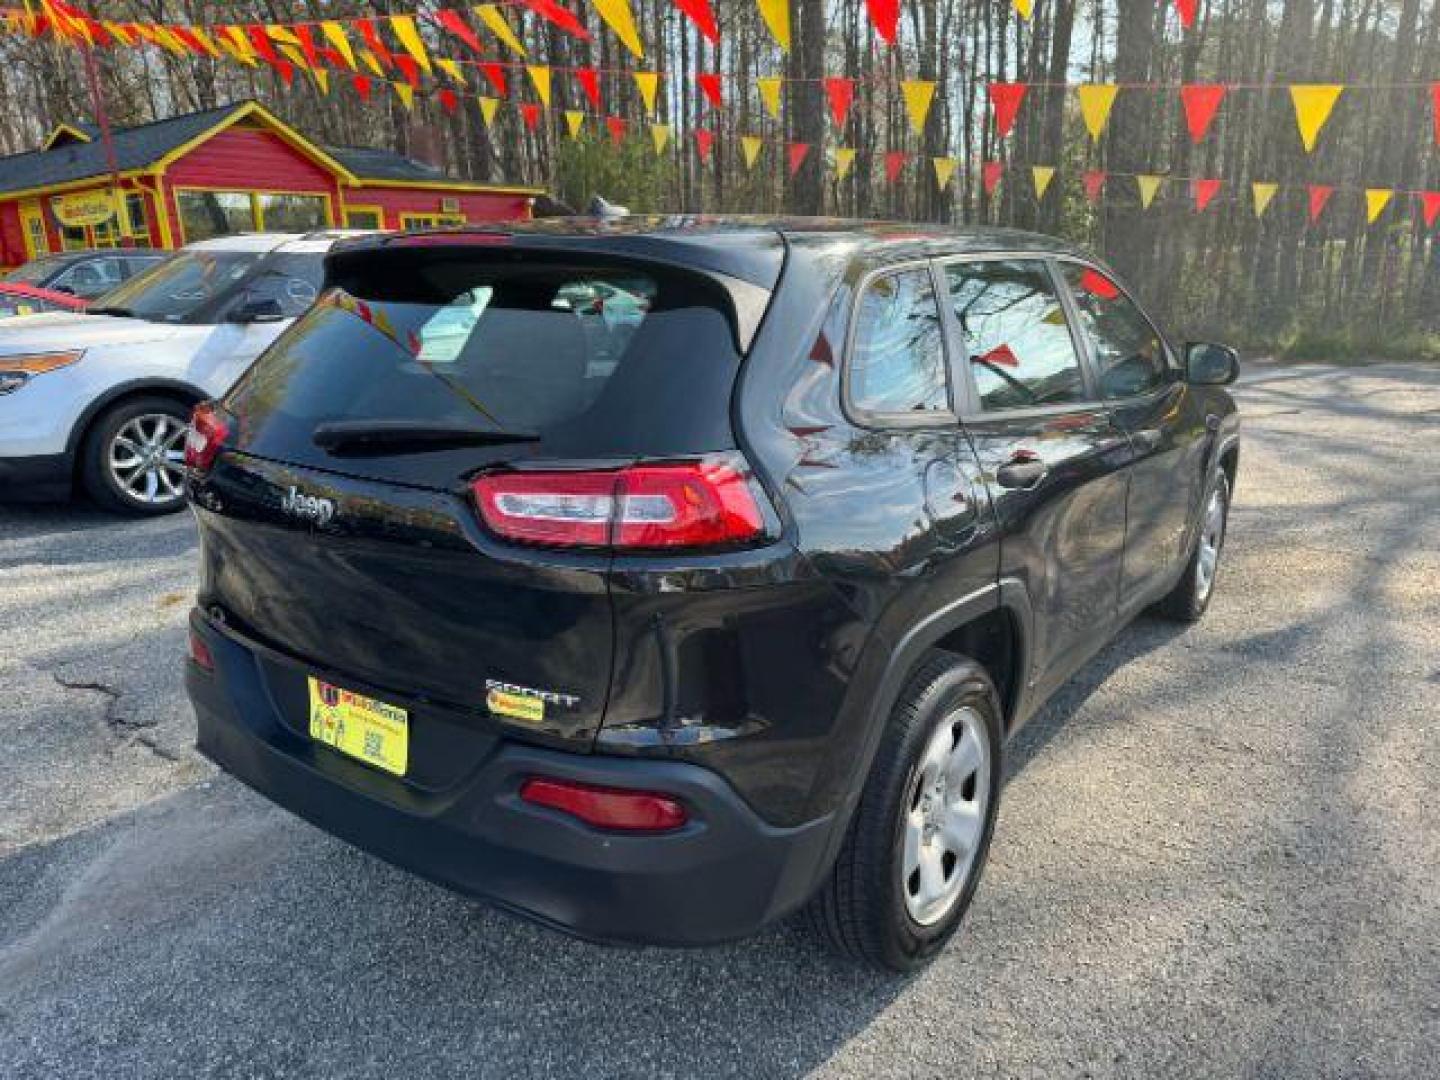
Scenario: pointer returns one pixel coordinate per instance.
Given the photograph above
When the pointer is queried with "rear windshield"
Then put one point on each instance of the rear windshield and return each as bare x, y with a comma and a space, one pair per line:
593, 360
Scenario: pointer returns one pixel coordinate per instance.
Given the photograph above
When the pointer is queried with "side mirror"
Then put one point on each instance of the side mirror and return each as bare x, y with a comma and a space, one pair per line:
256, 311
1211, 365
68, 290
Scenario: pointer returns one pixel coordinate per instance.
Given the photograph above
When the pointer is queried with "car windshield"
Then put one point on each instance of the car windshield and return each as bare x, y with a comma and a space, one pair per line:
183, 288
38, 271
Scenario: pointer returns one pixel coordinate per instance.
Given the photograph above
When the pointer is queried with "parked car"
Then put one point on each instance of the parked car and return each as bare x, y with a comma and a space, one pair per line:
86, 274
104, 397
16, 299
741, 623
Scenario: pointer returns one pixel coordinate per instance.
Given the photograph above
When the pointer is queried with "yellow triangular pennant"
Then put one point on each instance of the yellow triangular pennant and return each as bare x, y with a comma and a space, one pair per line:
574, 121
1095, 102
540, 76
496, 24
335, 34
1042, 175
918, 95
1262, 194
944, 169
1148, 186
769, 88
409, 35
660, 133
239, 44
405, 92
1312, 108
322, 79
776, 14
282, 34
452, 69
1024, 7
1376, 199
648, 83
295, 56
618, 17
750, 147
368, 59
200, 34
489, 106
844, 158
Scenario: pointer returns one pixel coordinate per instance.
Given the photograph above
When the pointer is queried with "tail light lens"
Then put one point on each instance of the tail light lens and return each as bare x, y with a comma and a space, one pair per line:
695, 504
209, 428
200, 652
606, 808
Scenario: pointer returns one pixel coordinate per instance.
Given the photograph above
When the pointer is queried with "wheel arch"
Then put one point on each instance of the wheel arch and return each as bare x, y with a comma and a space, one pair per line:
186, 393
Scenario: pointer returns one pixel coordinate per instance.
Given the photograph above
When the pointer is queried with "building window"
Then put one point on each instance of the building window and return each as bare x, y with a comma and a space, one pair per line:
362, 218
204, 214
105, 235
39, 242
137, 222
73, 238
293, 213
430, 221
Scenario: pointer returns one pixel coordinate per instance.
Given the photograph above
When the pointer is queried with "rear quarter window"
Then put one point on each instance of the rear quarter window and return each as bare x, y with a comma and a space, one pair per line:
600, 360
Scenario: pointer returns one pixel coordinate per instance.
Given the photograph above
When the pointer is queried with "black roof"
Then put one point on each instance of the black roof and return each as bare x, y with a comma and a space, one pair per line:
748, 247
143, 145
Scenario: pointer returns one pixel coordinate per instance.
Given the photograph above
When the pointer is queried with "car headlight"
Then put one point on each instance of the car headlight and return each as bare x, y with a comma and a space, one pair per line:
16, 371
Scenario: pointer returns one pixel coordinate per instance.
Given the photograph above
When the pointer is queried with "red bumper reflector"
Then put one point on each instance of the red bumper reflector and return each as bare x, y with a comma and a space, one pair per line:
606, 808
200, 652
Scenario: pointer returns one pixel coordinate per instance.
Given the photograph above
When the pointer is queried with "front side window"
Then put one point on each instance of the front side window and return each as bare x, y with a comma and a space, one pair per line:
1129, 355
1017, 341
897, 360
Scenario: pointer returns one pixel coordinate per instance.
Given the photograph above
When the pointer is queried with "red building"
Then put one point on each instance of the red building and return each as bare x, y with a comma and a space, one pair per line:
227, 170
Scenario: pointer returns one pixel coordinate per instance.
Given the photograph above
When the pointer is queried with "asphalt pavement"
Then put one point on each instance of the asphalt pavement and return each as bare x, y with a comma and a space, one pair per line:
1218, 853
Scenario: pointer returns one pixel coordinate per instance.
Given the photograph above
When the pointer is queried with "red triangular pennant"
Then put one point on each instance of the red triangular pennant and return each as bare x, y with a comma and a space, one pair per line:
1319, 196
530, 113
1006, 97
698, 11
1201, 100
456, 24
1204, 191
306, 34
373, 42
553, 12
616, 126
409, 68
710, 86
704, 143
362, 86
895, 164
841, 93
1094, 182
885, 15
990, 175
1429, 207
449, 99
263, 45
798, 150
286, 71
1186, 10
589, 80
494, 74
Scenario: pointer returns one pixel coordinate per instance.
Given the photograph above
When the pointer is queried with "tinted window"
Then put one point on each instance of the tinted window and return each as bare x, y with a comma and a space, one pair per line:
1016, 337
596, 360
292, 281
1129, 356
897, 361
184, 287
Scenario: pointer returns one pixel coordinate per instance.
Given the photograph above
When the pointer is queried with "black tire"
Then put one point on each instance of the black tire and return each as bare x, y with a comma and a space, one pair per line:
1192, 593
97, 477
862, 909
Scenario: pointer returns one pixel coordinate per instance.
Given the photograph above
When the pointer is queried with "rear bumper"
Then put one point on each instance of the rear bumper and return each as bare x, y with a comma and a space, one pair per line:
722, 876
37, 478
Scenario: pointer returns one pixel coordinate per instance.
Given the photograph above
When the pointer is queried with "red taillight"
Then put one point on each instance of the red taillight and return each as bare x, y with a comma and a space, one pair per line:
606, 808
695, 504
208, 432
200, 652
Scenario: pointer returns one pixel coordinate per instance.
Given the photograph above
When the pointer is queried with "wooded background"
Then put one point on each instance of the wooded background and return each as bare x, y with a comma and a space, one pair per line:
1338, 286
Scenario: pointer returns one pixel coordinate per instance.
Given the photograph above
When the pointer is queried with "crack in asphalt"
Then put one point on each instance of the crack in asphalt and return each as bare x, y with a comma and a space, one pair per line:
114, 719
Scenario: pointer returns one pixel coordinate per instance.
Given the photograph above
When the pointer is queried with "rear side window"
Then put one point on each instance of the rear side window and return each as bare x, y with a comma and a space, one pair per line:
596, 360
1017, 341
897, 358
1129, 355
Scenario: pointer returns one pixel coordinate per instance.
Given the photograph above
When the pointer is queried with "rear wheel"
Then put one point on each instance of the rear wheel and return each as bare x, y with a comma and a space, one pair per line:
133, 458
921, 833
1191, 595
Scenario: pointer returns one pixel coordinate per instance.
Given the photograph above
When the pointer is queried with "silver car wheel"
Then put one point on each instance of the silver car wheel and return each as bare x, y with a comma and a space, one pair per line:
945, 814
1212, 535
147, 459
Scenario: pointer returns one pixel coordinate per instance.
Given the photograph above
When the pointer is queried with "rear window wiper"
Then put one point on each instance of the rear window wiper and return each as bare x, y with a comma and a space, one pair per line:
390, 436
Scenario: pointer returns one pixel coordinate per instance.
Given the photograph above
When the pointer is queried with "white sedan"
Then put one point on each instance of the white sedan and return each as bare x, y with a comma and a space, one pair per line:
104, 397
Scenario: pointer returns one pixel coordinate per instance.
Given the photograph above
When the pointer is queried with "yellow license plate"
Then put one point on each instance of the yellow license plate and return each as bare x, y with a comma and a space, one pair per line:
372, 731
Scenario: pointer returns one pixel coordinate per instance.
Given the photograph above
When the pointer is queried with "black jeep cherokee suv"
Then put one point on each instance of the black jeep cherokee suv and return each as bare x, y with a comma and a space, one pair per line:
656, 578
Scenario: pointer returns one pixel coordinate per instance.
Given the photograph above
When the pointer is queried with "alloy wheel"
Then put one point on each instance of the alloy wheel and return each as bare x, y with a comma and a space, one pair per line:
147, 459
1212, 534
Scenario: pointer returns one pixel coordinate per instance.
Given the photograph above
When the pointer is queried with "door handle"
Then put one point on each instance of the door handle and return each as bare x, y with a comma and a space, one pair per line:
1024, 470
